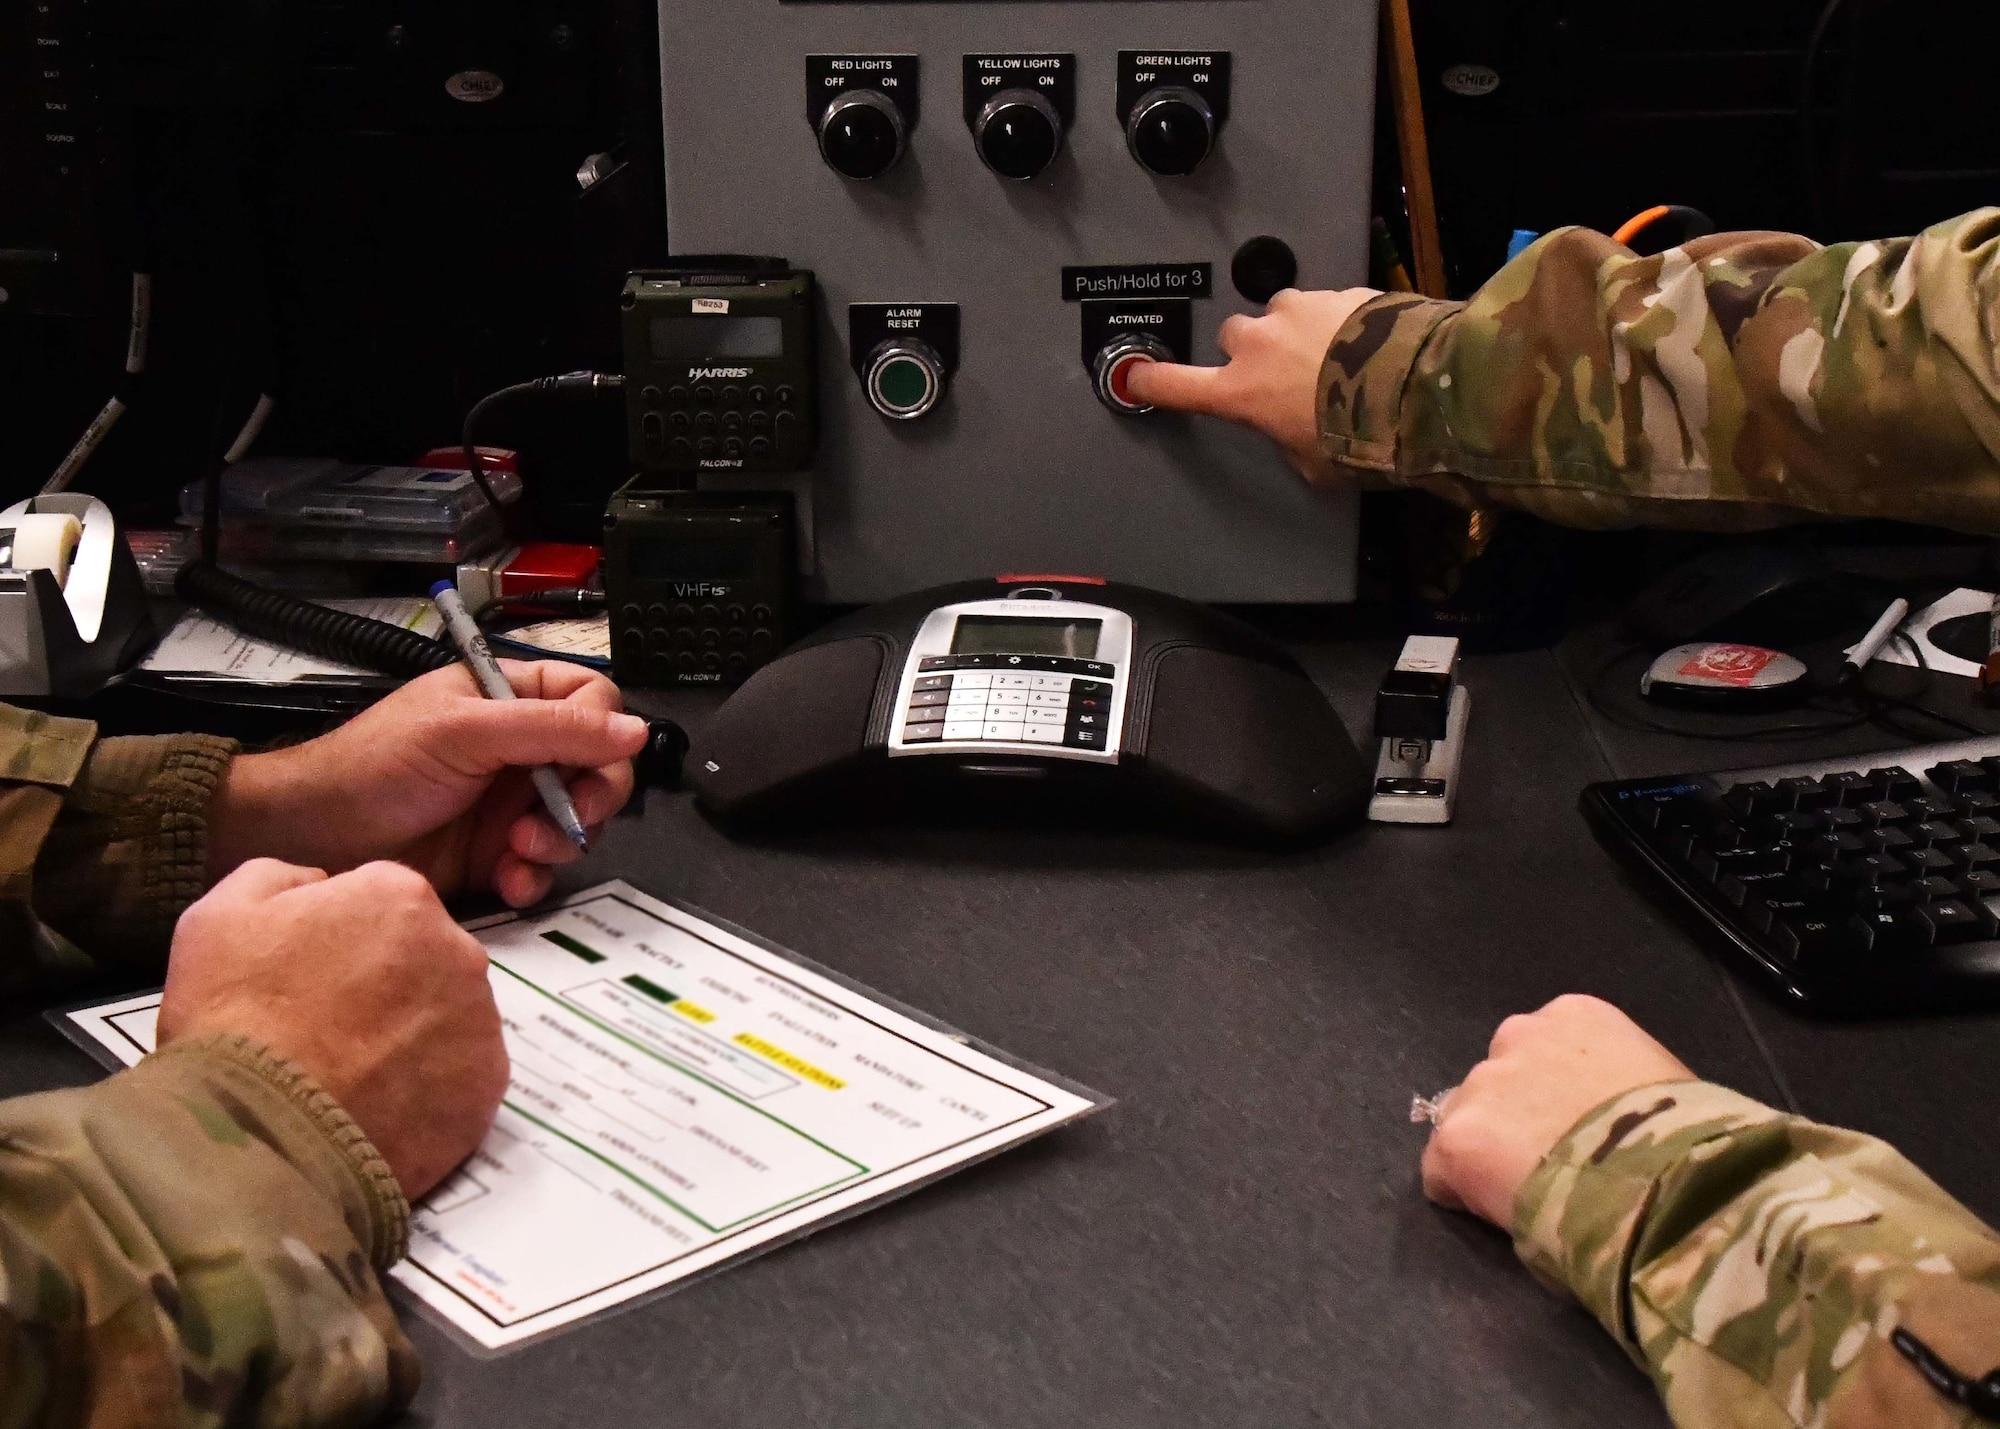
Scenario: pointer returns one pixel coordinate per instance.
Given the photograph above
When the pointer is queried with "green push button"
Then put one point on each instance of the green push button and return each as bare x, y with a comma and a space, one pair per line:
903, 384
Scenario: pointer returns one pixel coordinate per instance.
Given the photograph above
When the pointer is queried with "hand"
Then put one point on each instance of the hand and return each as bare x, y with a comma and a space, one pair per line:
436, 776
365, 982
1271, 381
1545, 1071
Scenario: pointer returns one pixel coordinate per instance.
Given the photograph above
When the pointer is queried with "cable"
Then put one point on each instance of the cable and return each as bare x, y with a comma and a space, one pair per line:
584, 381
1808, 119
316, 629
558, 598
138, 335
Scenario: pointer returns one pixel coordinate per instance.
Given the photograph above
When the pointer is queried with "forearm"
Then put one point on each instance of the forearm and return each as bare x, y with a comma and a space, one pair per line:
1756, 1264
196, 1242
128, 850
1737, 382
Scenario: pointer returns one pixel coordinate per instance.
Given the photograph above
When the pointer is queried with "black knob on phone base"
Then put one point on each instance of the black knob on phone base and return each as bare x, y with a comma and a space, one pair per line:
1170, 130
1018, 133
861, 134
1112, 371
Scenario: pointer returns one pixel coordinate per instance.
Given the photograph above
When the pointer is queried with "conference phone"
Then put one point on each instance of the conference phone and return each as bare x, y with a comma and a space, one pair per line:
1039, 690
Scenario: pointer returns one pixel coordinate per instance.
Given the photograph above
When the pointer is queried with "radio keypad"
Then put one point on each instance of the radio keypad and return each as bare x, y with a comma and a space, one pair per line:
1003, 706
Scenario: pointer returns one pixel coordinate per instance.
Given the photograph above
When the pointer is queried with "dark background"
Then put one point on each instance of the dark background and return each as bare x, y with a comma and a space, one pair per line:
322, 218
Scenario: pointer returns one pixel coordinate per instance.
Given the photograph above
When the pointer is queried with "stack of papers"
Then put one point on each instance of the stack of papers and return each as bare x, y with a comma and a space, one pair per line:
202, 649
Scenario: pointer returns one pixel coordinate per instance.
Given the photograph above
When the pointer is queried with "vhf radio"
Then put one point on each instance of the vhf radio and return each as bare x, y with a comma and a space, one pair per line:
720, 373
699, 583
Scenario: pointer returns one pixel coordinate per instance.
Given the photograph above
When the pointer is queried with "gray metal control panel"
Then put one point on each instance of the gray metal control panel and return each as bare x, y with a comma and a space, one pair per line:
1007, 205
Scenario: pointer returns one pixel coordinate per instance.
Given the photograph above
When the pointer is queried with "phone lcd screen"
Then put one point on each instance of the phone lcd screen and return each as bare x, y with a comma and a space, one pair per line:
706, 339
1007, 635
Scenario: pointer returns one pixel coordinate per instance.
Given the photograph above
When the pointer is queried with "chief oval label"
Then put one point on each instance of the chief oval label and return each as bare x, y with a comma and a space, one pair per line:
475, 86
1471, 81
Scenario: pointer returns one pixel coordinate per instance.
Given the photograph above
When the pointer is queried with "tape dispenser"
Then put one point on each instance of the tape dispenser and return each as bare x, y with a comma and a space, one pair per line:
73, 609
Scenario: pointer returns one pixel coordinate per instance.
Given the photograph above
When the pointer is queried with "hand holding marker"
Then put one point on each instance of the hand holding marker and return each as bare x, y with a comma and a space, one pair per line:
486, 673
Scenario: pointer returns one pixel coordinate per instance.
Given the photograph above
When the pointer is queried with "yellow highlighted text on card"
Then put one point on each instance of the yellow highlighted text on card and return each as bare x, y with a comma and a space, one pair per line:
797, 1065
693, 1012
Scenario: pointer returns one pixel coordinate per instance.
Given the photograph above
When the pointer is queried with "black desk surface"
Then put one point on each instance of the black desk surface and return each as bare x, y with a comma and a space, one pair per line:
1241, 1239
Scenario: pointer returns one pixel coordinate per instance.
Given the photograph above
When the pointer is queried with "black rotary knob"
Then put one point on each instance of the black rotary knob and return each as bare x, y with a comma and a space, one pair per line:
861, 134
1170, 130
1018, 133
1112, 371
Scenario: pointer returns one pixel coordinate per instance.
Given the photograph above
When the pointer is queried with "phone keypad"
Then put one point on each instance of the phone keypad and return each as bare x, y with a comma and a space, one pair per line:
1005, 705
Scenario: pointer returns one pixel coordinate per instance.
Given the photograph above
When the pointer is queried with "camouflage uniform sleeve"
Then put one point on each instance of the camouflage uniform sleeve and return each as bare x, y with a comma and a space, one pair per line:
1757, 1264
103, 841
1738, 381
195, 1242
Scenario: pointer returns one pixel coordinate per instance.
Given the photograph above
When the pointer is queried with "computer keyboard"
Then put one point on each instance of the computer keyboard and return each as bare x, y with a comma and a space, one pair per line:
1855, 886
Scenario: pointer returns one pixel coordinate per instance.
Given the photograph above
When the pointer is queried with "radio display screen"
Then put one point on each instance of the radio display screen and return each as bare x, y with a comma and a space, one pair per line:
1006, 635
691, 560
697, 339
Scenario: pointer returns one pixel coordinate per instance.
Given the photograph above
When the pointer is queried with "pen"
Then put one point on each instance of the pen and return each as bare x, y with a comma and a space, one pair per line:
486, 672
1870, 645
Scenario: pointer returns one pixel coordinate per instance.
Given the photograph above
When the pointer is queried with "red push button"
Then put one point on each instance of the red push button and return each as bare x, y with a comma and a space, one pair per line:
1121, 378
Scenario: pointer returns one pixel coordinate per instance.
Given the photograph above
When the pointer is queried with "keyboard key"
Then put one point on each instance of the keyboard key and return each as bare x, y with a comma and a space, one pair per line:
1931, 888
1979, 884
972, 680
1792, 827
1958, 775
924, 698
1002, 729
1013, 682
1927, 860
1739, 887
1850, 787
1099, 667
1933, 831
1091, 687
1829, 849
1979, 801
1810, 938
963, 728
1882, 931
922, 733
1048, 699
1003, 698
1899, 782
933, 682
1931, 806
938, 662
1980, 828
1042, 734
1883, 813
1875, 868
1084, 738
1754, 801
1972, 857
1085, 721
1839, 820
1887, 840
1042, 714
1806, 793
1952, 921
1762, 913
1052, 682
